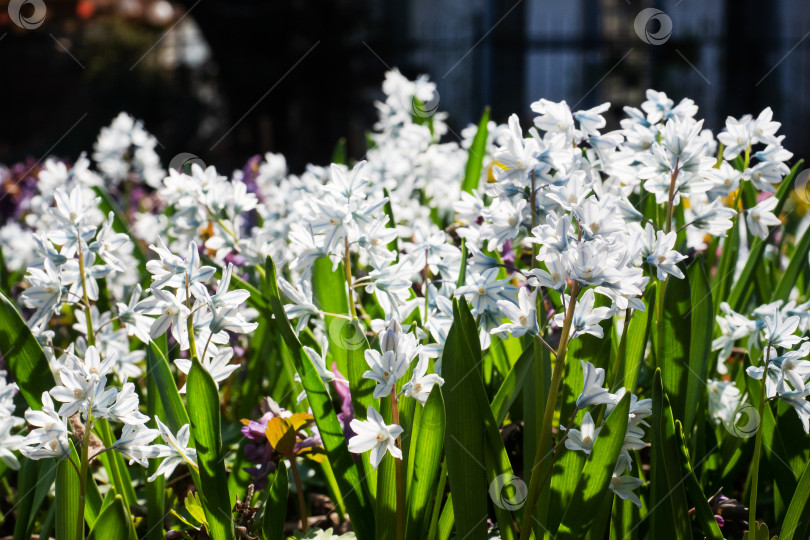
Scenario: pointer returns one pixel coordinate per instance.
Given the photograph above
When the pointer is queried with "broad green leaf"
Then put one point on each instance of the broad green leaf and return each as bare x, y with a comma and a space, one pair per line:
592, 491
798, 261
475, 155
115, 465
385, 515
510, 387
24, 357
158, 368
464, 435
361, 388
156, 489
796, 524
426, 459
675, 340
67, 499
354, 489
666, 487
26, 510
275, 504
700, 341
113, 522
496, 458
204, 414
705, 515
735, 297
635, 344
329, 294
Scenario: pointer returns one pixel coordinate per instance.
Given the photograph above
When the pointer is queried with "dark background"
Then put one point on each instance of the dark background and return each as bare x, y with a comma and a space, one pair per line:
228, 79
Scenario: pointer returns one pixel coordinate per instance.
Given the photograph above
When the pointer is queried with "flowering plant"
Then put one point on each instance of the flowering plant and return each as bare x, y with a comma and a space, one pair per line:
629, 305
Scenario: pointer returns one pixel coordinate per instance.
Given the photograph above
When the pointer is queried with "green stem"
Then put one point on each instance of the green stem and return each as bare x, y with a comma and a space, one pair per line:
83, 472
347, 266
192, 341
672, 183
302, 506
548, 416
91, 336
752, 506
400, 481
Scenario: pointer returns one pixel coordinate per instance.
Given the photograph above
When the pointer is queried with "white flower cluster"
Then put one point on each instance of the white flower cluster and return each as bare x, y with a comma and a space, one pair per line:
581, 440
388, 365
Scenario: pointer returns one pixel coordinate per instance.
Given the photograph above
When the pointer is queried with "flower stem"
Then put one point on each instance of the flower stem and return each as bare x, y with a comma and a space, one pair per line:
192, 342
548, 416
347, 266
302, 507
400, 481
83, 472
752, 505
672, 183
91, 336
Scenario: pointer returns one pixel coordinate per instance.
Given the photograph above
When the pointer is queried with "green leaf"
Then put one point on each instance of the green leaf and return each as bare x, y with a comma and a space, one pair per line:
156, 489
194, 507
275, 504
203, 404
635, 345
26, 362
67, 499
34, 480
700, 342
464, 436
592, 489
158, 368
675, 341
498, 466
798, 261
355, 490
510, 387
705, 515
329, 293
475, 156
735, 297
796, 524
426, 459
112, 523
666, 486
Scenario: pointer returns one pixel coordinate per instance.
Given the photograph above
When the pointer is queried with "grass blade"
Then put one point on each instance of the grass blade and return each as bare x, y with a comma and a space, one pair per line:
24, 357
475, 156
429, 432
203, 401
275, 504
592, 489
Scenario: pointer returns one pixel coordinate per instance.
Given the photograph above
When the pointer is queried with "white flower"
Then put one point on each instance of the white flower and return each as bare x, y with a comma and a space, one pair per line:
780, 332
386, 369
373, 434
134, 444
586, 317
420, 385
664, 258
623, 487
523, 317
50, 436
172, 312
759, 218
582, 440
175, 452
9, 443
724, 401
485, 290
216, 362
592, 391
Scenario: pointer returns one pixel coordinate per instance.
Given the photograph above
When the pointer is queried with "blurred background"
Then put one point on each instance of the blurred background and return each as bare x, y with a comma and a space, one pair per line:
228, 79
